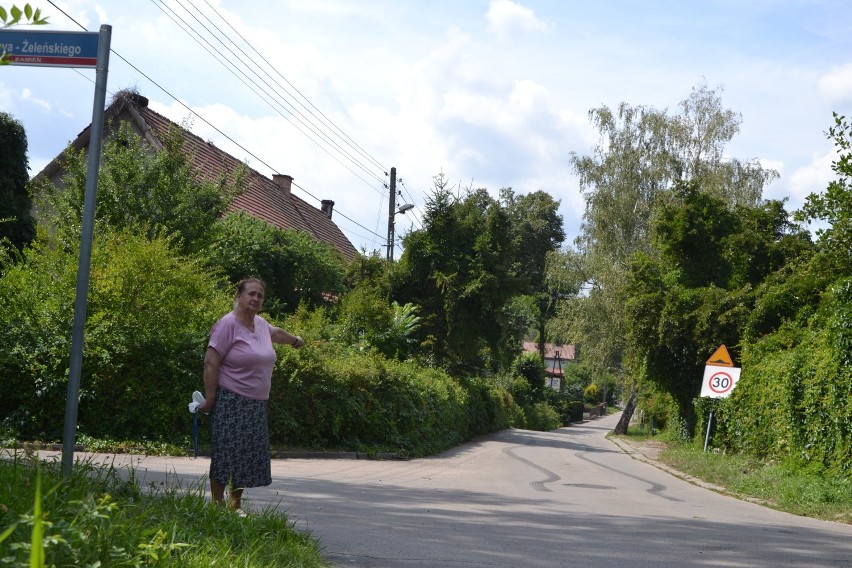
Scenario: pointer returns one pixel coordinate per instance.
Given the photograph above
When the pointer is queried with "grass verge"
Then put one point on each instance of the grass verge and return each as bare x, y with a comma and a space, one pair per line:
784, 486
101, 517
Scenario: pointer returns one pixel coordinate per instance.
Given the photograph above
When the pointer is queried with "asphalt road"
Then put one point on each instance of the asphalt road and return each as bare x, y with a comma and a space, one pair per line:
519, 498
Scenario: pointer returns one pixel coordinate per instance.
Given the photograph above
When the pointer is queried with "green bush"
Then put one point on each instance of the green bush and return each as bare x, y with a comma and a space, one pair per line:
657, 405
591, 394
530, 366
543, 417
296, 267
149, 318
362, 401
795, 384
149, 315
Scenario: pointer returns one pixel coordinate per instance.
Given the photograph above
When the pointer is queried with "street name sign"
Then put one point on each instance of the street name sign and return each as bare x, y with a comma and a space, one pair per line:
42, 48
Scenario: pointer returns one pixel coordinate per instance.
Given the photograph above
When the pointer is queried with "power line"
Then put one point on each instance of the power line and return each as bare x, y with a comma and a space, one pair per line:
295, 113
328, 120
234, 70
250, 153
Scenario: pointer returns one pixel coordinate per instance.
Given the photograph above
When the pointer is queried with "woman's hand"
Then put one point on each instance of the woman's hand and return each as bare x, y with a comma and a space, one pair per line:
285, 338
206, 406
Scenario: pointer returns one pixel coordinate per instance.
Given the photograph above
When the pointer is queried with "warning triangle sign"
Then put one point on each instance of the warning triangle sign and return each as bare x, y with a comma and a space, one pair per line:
720, 357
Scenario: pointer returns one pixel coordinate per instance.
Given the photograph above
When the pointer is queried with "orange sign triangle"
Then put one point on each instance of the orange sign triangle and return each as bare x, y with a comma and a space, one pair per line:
721, 357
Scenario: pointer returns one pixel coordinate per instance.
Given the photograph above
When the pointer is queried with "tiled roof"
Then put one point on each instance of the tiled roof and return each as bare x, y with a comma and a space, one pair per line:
261, 197
551, 351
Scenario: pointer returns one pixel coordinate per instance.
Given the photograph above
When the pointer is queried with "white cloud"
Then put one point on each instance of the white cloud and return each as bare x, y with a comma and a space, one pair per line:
77, 9
506, 17
813, 177
776, 165
527, 94
27, 95
5, 98
836, 85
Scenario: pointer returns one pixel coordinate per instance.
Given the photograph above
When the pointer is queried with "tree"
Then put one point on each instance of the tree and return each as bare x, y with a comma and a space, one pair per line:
296, 267
698, 290
16, 223
689, 231
459, 270
149, 192
642, 154
538, 231
15, 17
834, 206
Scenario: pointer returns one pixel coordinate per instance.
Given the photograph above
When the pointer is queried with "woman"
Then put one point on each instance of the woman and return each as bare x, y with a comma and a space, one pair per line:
237, 378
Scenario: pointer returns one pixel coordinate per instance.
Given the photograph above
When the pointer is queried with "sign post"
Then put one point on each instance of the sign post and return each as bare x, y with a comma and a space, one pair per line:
720, 378
72, 49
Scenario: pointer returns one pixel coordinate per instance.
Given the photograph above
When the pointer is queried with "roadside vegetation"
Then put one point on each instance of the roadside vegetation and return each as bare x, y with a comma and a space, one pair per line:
782, 485
411, 357
678, 253
102, 517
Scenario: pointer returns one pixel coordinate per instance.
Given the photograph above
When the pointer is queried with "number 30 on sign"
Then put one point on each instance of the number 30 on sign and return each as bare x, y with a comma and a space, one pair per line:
719, 381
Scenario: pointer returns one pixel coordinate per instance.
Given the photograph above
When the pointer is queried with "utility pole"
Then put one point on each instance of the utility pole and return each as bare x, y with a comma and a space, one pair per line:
391, 212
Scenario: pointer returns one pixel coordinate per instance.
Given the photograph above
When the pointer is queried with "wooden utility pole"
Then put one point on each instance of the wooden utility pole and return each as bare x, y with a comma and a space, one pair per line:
391, 212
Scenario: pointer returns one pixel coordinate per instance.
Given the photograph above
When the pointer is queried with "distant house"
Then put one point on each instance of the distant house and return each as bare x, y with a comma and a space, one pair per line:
555, 359
268, 199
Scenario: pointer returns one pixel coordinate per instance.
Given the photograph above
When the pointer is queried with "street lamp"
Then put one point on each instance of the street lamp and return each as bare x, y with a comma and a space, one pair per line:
393, 211
391, 226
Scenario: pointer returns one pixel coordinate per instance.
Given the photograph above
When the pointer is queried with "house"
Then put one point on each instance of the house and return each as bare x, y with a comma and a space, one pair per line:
268, 199
555, 359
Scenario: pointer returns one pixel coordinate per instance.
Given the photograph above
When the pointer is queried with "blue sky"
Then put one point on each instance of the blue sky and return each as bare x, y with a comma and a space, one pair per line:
491, 93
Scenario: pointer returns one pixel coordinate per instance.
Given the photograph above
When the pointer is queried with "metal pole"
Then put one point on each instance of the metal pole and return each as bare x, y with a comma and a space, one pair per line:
707, 435
391, 212
80, 303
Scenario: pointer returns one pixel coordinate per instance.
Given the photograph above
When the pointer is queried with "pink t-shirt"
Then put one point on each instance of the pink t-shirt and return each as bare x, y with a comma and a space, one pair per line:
247, 357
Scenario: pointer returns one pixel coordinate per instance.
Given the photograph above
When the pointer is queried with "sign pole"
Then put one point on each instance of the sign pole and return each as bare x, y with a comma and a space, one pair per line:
707, 435
83, 269
720, 378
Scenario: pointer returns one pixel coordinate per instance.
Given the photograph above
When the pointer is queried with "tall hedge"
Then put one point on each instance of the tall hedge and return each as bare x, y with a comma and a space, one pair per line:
149, 316
794, 399
364, 401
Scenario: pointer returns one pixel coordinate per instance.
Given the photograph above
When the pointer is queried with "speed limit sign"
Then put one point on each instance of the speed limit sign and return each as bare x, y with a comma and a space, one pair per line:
719, 381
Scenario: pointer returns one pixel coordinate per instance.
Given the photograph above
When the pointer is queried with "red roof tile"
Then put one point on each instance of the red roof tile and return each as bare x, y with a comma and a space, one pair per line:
261, 197
551, 351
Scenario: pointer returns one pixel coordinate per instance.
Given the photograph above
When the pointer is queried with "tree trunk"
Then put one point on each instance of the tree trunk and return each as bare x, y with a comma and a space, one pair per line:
626, 415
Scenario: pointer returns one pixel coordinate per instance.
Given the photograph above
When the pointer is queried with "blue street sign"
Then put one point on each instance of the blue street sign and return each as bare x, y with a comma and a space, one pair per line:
50, 48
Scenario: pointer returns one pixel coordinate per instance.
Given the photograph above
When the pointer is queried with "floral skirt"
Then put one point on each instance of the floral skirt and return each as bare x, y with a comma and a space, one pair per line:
240, 452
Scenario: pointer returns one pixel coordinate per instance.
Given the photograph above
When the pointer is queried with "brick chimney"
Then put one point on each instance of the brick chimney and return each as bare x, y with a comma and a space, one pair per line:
138, 99
284, 182
327, 207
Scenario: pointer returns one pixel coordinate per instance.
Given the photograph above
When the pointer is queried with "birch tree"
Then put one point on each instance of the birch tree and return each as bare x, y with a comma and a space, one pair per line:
642, 153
